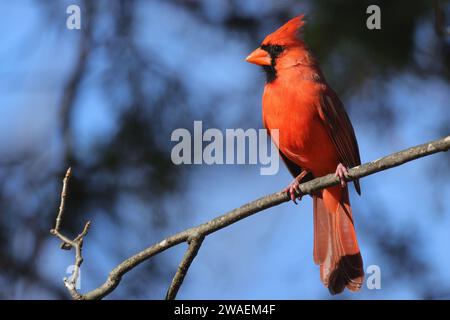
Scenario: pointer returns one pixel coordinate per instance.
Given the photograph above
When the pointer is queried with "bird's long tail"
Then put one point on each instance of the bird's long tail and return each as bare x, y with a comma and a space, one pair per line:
335, 245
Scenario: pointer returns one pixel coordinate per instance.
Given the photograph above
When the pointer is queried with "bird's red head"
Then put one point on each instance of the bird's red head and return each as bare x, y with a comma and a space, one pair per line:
287, 34
276, 44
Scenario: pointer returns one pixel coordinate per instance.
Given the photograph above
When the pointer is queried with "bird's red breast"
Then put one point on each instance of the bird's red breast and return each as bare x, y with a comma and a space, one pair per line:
290, 105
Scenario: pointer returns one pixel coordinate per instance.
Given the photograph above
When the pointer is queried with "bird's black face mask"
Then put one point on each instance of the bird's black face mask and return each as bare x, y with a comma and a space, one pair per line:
274, 51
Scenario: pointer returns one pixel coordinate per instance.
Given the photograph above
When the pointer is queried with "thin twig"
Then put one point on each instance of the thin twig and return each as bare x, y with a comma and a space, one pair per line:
67, 244
63, 199
194, 236
194, 245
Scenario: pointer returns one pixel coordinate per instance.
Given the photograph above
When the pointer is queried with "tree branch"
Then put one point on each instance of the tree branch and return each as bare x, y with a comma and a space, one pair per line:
68, 244
191, 252
194, 236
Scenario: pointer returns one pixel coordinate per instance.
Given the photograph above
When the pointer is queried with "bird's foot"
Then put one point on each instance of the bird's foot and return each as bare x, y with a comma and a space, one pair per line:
293, 189
342, 173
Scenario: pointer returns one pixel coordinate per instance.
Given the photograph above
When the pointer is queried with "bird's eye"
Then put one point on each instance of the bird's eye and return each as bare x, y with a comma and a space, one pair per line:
277, 49
273, 49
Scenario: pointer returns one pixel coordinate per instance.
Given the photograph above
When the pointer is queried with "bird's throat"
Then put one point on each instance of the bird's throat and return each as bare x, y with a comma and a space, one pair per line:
271, 73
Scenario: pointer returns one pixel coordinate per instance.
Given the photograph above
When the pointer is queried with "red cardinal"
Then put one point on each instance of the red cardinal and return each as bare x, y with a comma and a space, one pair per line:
316, 138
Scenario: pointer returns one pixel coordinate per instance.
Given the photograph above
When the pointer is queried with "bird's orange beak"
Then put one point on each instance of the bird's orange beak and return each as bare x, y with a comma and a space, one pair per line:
259, 57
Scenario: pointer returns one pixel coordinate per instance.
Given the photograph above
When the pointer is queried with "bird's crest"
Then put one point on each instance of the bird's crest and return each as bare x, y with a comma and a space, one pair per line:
289, 33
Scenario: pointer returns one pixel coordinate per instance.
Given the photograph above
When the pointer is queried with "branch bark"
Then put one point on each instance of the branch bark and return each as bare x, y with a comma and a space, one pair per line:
191, 252
67, 244
194, 236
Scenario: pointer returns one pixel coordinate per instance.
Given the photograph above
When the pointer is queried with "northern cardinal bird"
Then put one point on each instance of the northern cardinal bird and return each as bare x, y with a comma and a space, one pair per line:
316, 138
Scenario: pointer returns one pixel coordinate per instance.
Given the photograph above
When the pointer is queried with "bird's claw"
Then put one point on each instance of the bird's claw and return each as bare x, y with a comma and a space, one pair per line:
293, 189
341, 173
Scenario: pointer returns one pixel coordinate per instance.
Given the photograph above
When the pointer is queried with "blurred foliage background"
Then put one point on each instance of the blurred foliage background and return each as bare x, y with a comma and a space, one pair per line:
105, 99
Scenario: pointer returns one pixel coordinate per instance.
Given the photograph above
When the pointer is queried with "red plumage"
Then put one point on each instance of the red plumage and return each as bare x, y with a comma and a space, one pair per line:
315, 136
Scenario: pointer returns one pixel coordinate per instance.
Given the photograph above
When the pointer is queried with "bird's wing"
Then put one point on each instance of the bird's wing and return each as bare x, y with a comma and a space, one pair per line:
340, 130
